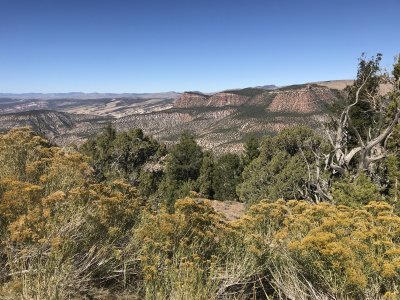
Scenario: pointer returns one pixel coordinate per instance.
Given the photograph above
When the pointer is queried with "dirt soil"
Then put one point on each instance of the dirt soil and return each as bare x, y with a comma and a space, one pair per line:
232, 210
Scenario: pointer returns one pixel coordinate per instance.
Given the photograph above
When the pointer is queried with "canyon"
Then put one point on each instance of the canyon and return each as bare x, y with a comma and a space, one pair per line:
220, 121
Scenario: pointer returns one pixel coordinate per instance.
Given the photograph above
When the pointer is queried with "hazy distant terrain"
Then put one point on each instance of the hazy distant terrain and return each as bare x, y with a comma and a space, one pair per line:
85, 96
220, 121
116, 105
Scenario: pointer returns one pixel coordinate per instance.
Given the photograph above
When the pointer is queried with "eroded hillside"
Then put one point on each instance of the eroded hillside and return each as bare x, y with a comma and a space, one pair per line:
220, 121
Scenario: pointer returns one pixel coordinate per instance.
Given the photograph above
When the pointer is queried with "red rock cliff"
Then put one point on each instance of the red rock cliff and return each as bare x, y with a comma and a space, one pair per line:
305, 100
188, 100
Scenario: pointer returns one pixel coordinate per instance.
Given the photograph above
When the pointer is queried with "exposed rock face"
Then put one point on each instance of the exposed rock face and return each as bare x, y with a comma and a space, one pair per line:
309, 99
187, 100
191, 100
226, 99
220, 122
305, 100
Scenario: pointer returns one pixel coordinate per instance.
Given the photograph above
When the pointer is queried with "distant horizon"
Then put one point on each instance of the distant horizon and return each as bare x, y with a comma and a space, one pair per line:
156, 46
171, 91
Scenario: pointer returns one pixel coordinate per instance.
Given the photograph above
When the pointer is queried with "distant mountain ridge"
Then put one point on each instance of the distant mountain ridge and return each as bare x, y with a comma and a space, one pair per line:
220, 121
79, 95
95, 95
267, 87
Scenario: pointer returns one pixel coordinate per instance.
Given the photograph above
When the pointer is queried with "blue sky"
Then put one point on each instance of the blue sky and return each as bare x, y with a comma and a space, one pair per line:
155, 45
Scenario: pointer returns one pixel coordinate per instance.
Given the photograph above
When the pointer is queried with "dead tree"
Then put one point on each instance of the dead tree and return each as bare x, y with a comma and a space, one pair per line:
372, 147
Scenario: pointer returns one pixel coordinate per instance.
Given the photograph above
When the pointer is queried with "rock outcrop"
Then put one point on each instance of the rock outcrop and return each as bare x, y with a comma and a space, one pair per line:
226, 99
191, 100
305, 100
220, 122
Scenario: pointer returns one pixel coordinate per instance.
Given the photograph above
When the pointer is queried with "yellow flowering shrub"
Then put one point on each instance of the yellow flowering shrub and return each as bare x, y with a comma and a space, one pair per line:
64, 170
57, 225
117, 206
38, 178
23, 155
17, 197
339, 249
187, 240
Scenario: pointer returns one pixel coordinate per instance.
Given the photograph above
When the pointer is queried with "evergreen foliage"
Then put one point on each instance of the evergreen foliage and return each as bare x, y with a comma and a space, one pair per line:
123, 155
184, 159
355, 192
113, 219
280, 171
205, 180
227, 175
251, 149
64, 235
182, 170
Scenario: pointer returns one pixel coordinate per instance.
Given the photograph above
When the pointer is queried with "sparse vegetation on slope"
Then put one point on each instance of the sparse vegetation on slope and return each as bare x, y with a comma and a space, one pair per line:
236, 112
65, 236
124, 216
248, 92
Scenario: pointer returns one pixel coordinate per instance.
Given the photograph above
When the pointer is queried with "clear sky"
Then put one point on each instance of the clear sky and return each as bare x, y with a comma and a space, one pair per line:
205, 45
